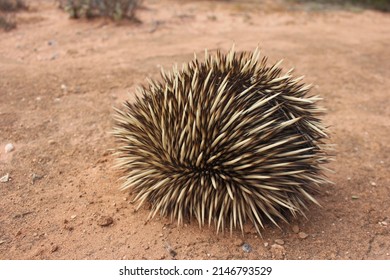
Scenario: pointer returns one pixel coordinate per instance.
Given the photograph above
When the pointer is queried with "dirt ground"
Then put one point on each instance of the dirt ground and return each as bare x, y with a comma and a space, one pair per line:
61, 78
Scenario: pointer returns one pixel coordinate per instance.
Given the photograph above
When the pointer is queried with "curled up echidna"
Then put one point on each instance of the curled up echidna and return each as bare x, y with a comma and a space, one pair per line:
226, 140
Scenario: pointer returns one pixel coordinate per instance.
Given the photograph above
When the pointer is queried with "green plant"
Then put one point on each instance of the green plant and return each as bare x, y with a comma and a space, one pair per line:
115, 9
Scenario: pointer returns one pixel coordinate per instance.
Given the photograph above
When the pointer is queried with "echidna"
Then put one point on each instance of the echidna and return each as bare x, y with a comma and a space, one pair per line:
225, 140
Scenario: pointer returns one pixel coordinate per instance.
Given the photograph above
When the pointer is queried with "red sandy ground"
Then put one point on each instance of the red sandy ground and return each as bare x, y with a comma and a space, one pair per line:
60, 78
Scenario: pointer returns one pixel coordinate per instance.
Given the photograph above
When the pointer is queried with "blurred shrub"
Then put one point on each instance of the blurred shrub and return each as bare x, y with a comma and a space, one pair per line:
382, 5
7, 9
115, 9
7, 21
12, 5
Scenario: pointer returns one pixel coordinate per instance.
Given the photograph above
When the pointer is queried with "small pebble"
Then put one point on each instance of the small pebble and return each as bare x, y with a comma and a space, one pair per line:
279, 241
266, 244
2, 241
278, 251
73, 217
9, 148
302, 235
172, 252
105, 221
355, 197
5, 178
54, 248
36, 177
68, 227
246, 248
238, 242
373, 184
295, 229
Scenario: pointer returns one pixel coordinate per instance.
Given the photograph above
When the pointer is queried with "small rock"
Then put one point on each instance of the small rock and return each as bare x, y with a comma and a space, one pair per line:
2, 242
73, 217
51, 142
54, 248
302, 235
21, 215
246, 248
354, 197
277, 251
279, 241
238, 242
68, 227
5, 178
35, 177
266, 244
373, 184
172, 252
384, 224
9, 148
295, 229
105, 221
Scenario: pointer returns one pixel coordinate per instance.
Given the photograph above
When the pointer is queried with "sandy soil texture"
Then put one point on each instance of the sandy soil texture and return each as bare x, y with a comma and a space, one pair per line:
60, 78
